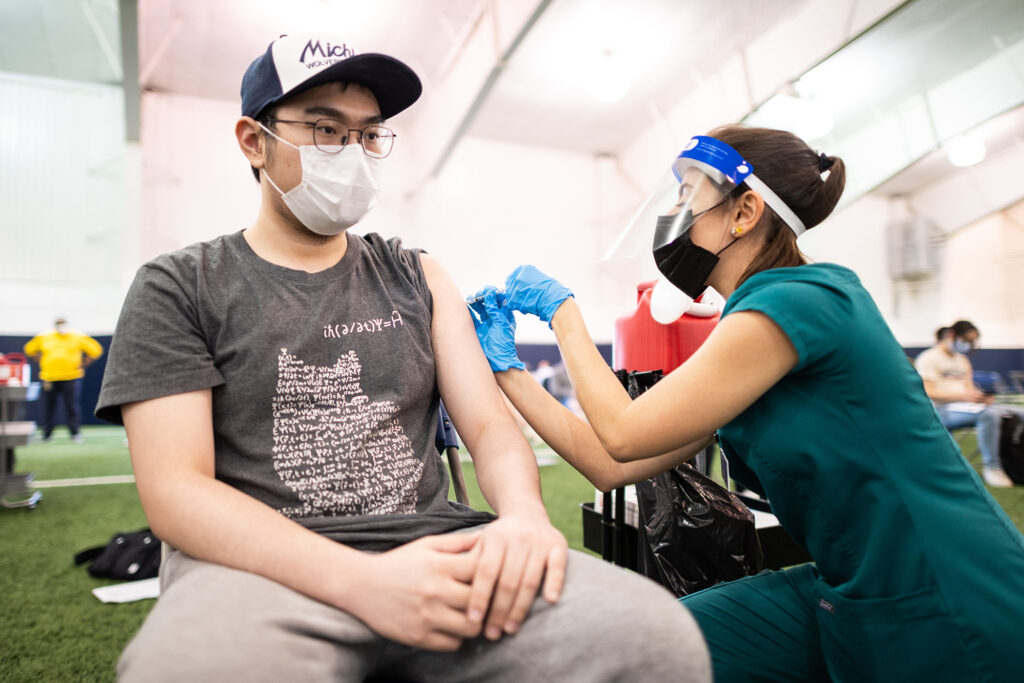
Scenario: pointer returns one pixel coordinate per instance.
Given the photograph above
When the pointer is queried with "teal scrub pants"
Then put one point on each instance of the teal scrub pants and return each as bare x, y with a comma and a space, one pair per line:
787, 626
762, 628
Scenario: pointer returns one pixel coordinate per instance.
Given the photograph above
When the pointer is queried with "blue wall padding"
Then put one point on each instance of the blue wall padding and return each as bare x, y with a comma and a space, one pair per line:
998, 360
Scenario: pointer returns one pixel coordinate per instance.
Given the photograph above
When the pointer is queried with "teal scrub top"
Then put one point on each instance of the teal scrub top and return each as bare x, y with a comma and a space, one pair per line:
861, 472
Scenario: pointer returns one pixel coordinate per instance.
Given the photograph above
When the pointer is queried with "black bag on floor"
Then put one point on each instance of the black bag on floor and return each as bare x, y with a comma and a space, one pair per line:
694, 532
1011, 447
128, 557
697, 533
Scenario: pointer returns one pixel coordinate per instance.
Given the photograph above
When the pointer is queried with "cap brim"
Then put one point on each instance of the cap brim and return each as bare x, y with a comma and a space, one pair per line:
393, 83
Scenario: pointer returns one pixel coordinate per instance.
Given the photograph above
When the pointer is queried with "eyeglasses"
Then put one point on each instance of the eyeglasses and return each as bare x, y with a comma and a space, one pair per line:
331, 136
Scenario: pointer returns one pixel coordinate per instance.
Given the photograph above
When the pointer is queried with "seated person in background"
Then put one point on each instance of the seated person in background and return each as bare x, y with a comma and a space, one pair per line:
949, 382
279, 386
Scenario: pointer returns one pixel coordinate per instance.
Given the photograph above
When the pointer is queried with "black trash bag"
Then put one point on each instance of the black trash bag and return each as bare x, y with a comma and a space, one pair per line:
694, 532
1011, 447
128, 557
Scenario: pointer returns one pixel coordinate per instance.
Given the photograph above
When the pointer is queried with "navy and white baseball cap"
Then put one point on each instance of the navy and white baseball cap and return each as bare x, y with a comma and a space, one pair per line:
295, 63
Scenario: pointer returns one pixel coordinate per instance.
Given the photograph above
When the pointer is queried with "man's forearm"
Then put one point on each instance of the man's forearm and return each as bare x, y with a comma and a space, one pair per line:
212, 521
506, 470
947, 396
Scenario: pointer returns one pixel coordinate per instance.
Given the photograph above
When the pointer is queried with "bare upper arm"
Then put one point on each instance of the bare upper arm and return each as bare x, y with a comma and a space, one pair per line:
464, 377
969, 377
167, 436
744, 357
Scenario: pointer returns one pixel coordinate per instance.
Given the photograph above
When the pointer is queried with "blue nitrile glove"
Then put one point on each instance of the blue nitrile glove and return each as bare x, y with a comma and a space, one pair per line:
496, 330
528, 290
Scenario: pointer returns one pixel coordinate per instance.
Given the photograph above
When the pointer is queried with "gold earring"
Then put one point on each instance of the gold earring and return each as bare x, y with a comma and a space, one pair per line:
738, 230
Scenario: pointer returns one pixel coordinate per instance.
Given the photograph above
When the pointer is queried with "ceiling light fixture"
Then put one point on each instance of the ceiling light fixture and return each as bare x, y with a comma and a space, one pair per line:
802, 116
964, 150
608, 82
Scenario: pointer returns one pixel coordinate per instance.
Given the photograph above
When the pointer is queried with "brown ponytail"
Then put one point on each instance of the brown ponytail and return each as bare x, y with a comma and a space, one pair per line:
793, 171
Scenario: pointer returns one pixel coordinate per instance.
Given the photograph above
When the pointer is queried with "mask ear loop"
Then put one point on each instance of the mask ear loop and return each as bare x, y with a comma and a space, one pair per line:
279, 139
736, 231
271, 181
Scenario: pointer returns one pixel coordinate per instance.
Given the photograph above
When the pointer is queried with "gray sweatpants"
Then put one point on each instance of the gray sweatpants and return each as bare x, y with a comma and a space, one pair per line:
213, 623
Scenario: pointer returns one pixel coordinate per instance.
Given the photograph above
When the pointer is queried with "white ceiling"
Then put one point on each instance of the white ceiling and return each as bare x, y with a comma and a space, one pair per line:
1000, 135
201, 48
664, 47
76, 40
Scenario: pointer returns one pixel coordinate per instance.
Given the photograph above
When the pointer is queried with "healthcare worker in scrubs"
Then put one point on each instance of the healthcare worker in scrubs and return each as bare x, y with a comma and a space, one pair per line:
918, 575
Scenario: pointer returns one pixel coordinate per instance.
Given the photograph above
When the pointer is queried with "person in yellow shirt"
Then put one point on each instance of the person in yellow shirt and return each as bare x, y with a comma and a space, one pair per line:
63, 354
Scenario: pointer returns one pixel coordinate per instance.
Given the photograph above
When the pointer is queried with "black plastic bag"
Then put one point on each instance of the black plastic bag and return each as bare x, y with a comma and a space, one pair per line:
129, 557
695, 532
1011, 447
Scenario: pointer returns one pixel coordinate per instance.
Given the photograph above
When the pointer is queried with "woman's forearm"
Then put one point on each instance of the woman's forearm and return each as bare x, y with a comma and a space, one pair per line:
599, 392
575, 441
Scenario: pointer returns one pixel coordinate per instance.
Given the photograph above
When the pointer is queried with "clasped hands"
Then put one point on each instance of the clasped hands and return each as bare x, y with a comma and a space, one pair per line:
527, 290
438, 591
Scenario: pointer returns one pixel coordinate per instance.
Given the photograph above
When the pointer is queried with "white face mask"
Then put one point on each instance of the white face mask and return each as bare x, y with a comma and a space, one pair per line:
336, 191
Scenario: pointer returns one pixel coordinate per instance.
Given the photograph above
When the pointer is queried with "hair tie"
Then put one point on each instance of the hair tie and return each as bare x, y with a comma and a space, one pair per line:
824, 162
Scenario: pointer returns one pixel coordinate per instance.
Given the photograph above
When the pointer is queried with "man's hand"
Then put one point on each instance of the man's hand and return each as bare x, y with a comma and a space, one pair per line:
516, 553
418, 593
972, 395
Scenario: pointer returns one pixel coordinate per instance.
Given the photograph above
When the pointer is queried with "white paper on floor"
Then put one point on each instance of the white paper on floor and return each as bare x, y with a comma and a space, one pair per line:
129, 592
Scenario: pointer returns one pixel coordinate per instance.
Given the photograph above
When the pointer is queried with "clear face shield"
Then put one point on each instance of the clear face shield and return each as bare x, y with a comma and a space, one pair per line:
702, 177
705, 175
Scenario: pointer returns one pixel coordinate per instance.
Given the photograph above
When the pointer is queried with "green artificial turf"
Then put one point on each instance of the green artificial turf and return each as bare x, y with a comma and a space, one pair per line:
53, 629
562, 488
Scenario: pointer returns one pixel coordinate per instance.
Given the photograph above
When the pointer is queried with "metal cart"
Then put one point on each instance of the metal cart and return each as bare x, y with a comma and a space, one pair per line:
14, 488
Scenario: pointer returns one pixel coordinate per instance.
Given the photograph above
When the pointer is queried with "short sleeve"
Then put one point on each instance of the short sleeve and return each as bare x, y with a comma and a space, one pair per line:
926, 366
408, 262
814, 316
158, 348
32, 346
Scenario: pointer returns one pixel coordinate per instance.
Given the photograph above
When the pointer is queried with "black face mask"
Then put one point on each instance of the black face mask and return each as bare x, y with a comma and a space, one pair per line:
682, 262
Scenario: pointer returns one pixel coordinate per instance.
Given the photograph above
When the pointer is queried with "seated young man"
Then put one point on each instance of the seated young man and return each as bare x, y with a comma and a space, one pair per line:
279, 387
949, 382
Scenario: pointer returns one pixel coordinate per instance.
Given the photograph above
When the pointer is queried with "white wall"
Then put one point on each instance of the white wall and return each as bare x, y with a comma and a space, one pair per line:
196, 184
63, 205
498, 205
495, 206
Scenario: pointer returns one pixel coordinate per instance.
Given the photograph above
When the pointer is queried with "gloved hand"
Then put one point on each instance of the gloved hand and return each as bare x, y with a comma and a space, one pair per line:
528, 290
496, 330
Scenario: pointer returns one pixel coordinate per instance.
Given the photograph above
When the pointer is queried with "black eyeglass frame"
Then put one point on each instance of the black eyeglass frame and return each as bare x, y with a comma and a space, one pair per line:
362, 135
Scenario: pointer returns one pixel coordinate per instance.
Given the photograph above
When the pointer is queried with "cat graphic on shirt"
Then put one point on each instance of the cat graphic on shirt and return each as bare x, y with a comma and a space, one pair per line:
340, 452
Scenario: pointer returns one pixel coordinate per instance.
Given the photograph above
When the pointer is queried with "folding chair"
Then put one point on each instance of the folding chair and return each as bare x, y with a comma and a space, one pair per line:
447, 442
990, 382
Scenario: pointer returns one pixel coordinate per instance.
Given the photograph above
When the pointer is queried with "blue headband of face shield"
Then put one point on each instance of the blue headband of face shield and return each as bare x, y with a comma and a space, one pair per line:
717, 158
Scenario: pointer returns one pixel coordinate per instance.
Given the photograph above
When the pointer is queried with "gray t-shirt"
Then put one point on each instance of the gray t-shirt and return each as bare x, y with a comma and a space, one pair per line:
325, 402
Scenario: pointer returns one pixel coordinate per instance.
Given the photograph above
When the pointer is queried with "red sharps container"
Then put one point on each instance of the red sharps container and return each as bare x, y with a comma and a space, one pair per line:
641, 343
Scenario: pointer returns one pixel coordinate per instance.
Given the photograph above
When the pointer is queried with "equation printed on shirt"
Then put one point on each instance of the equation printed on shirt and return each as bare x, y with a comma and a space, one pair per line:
373, 325
339, 451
